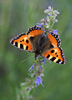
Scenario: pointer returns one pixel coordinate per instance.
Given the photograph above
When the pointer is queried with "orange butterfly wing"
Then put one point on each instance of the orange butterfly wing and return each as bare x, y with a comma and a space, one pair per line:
55, 53
54, 39
34, 31
23, 41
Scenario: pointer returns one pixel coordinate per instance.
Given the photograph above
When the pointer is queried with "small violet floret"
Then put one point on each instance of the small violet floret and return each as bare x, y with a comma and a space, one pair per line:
38, 81
55, 32
49, 8
31, 68
39, 25
44, 61
49, 15
40, 67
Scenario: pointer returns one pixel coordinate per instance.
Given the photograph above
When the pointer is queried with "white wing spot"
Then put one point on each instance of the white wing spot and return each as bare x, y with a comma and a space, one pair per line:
13, 43
18, 45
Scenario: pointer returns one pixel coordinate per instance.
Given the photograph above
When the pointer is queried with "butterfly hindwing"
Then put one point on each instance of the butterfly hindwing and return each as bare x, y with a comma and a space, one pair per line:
56, 55
22, 41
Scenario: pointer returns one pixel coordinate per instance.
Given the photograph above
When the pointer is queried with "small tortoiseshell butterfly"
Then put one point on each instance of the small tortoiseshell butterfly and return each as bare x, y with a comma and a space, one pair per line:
36, 41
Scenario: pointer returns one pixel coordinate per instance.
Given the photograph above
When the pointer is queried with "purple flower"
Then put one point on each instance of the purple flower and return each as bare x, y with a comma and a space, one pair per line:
40, 67
39, 25
31, 68
50, 8
38, 81
44, 61
28, 88
49, 15
55, 32
44, 23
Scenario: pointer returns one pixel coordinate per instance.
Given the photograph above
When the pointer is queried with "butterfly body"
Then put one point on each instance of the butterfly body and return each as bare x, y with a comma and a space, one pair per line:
36, 41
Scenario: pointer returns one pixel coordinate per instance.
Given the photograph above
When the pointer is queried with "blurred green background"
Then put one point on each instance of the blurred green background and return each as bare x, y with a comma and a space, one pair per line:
16, 16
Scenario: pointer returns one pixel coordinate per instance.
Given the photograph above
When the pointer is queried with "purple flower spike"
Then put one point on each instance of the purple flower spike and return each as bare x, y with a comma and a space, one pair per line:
55, 32
44, 61
39, 25
38, 81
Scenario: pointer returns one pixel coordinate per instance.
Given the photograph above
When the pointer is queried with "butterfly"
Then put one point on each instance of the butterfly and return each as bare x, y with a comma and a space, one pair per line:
36, 41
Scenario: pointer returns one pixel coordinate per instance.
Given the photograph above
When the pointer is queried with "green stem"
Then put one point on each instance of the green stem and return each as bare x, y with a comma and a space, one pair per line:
52, 25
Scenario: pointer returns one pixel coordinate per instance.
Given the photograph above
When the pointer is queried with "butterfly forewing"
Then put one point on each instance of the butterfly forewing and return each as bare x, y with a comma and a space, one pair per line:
54, 39
22, 41
34, 31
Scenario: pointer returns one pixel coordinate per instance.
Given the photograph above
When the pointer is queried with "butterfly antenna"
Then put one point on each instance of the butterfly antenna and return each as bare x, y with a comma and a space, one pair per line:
27, 59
